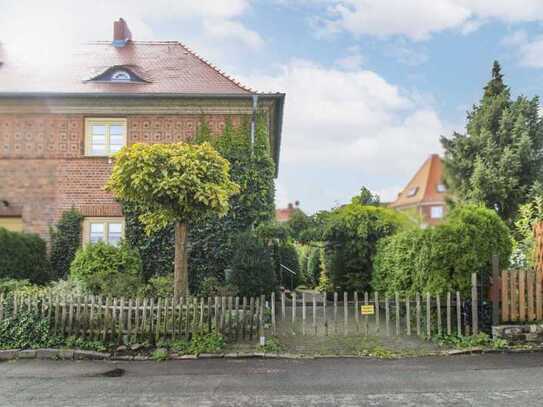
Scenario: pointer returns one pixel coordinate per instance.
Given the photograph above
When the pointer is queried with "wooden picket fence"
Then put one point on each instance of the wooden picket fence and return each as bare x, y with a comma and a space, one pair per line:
335, 314
116, 319
111, 319
521, 295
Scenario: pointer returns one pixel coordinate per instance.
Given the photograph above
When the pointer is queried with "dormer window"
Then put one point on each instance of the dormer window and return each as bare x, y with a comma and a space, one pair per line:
412, 192
120, 76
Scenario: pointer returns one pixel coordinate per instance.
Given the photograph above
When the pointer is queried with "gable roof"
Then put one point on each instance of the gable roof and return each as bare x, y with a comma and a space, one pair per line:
424, 185
169, 67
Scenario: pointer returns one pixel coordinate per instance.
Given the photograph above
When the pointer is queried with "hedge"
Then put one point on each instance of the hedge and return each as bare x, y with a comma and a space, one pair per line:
440, 258
23, 256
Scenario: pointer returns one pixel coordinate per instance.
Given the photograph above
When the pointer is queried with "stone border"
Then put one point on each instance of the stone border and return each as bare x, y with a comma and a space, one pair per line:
76, 354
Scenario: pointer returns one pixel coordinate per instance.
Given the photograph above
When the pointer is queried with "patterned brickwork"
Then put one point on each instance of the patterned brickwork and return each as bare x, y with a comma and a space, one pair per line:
44, 171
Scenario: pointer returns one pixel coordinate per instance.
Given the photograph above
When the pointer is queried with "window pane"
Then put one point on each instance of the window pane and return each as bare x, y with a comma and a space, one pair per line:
115, 233
96, 232
98, 129
98, 139
116, 140
116, 130
436, 212
98, 149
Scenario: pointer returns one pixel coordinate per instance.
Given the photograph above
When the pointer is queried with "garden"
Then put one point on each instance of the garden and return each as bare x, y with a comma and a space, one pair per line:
204, 263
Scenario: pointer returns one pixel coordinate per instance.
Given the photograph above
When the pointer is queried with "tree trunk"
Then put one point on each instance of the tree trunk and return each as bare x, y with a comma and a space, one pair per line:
181, 268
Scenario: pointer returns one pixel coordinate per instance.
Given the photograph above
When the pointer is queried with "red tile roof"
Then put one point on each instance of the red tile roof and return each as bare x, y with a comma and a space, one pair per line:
170, 67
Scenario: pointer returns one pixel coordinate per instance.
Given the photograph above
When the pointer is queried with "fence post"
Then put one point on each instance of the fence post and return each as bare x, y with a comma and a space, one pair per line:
495, 290
272, 301
474, 304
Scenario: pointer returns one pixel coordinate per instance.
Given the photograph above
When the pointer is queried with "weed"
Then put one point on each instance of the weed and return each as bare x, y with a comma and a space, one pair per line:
160, 355
272, 345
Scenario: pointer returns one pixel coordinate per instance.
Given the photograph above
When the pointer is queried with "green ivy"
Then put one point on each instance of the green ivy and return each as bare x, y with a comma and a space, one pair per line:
65, 240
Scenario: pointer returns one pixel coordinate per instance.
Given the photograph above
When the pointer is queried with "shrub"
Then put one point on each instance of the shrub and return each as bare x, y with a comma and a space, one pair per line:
436, 259
108, 270
23, 256
212, 287
159, 286
252, 266
8, 285
314, 266
65, 240
351, 234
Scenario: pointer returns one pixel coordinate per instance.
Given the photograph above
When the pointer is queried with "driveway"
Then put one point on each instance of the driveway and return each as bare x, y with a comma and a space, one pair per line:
477, 380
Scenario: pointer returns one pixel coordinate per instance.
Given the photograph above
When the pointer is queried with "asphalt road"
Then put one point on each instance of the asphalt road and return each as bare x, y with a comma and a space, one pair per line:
477, 380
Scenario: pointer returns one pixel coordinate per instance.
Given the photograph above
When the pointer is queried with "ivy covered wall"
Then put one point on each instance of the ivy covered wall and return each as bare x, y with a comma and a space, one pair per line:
211, 241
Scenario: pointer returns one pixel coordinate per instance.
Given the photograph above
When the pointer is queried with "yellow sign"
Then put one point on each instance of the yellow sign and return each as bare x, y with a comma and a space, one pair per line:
367, 309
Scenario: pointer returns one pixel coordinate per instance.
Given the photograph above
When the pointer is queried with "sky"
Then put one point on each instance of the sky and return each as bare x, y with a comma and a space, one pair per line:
371, 84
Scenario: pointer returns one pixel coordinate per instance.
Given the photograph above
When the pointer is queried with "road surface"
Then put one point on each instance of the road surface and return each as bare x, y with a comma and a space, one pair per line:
472, 380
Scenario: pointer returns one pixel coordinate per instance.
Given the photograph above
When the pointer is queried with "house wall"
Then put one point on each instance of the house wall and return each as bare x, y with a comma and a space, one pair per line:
43, 170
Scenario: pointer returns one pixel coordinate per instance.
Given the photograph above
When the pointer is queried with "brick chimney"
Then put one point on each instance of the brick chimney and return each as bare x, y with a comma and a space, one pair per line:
121, 33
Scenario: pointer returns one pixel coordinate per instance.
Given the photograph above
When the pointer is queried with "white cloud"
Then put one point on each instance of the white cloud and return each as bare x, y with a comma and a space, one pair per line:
347, 128
528, 50
419, 19
233, 30
51, 26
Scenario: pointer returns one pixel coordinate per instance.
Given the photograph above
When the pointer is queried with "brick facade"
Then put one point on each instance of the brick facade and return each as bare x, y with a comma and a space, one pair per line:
44, 171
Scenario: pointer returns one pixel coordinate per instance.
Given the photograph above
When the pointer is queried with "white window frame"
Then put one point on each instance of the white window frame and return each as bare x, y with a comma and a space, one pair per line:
412, 192
441, 188
107, 123
87, 222
440, 214
121, 75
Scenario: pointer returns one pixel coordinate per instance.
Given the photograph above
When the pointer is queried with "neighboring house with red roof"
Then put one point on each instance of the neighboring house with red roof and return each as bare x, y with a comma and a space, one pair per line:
284, 214
424, 196
60, 121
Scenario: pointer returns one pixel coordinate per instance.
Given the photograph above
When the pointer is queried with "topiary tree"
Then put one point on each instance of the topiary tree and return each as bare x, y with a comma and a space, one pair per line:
173, 184
65, 240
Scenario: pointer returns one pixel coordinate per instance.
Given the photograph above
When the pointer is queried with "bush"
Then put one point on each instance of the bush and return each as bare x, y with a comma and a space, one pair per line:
436, 259
108, 270
159, 286
8, 285
212, 287
23, 256
314, 266
65, 240
351, 236
252, 266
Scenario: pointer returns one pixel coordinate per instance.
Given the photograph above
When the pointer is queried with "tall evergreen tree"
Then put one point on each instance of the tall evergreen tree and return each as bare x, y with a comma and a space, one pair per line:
499, 162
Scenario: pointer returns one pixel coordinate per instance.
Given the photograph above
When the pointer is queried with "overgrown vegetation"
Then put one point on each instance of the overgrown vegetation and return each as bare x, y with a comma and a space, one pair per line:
26, 330
464, 342
201, 342
437, 259
351, 235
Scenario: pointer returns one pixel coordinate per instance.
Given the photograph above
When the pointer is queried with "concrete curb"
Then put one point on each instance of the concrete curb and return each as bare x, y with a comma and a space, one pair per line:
77, 354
